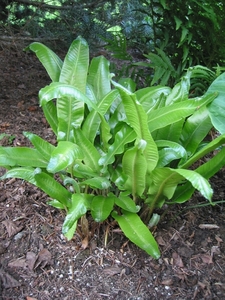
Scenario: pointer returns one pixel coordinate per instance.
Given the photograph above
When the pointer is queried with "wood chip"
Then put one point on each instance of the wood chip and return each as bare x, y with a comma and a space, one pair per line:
208, 226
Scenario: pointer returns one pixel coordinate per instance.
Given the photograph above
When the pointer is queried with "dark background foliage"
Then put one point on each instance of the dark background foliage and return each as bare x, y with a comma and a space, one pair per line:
189, 32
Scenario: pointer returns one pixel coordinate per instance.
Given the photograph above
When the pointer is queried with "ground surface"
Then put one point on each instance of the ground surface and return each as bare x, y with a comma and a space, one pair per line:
36, 262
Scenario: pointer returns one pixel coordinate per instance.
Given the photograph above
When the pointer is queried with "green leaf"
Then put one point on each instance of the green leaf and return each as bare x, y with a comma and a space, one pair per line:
53, 188
55, 203
91, 154
198, 182
75, 66
126, 203
217, 107
171, 151
101, 183
62, 90
48, 58
50, 113
137, 232
25, 173
122, 137
207, 170
99, 76
80, 203
135, 168
195, 129
101, 207
173, 113
137, 119
21, 156
63, 156
94, 118
217, 142
42, 146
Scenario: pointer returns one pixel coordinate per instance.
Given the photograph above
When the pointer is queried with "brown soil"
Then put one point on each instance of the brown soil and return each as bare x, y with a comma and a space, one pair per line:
36, 262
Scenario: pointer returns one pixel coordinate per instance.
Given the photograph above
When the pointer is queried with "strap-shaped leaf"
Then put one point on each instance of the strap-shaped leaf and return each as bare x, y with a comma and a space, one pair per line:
135, 168
99, 76
195, 129
217, 142
173, 113
25, 173
137, 119
198, 182
43, 147
125, 135
50, 113
80, 203
63, 156
170, 151
101, 207
48, 58
91, 154
207, 170
53, 188
100, 183
93, 120
126, 203
137, 232
75, 65
149, 96
70, 107
22, 156
217, 107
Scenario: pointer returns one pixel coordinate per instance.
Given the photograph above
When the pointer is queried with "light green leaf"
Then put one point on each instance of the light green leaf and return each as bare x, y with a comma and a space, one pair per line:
48, 58
125, 135
173, 113
195, 129
75, 66
137, 232
137, 119
43, 147
63, 156
99, 76
50, 113
207, 170
21, 156
91, 154
101, 183
217, 142
126, 203
135, 168
171, 151
101, 207
53, 188
198, 182
217, 107
80, 203
93, 119
55, 203
25, 173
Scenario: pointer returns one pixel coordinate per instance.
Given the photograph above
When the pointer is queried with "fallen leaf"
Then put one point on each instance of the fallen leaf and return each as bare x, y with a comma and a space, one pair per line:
18, 263
84, 243
206, 258
8, 281
30, 260
11, 227
30, 298
177, 261
44, 258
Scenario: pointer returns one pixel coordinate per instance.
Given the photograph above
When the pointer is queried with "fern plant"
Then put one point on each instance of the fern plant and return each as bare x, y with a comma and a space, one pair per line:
120, 153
